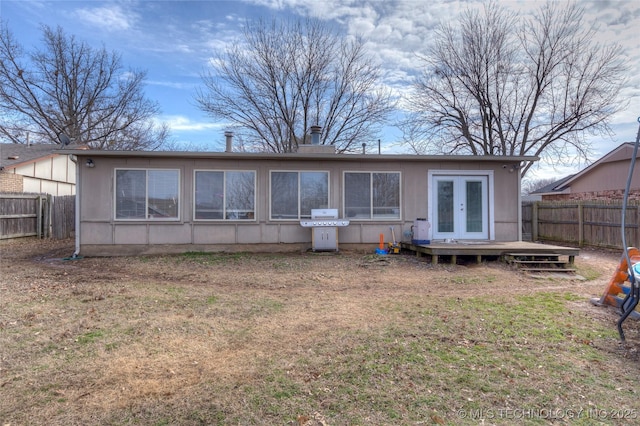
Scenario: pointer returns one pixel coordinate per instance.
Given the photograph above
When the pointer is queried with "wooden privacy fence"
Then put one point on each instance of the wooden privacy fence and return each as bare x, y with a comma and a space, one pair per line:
63, 216
583, 223
37, 215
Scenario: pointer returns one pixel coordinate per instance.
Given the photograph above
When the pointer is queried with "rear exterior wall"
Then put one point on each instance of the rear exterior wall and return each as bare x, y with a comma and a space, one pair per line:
101, 234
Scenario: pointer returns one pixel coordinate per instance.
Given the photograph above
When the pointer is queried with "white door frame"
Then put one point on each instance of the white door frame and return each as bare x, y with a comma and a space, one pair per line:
432, 194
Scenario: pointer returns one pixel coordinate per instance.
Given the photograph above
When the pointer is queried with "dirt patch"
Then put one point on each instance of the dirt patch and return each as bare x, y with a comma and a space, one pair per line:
289, 338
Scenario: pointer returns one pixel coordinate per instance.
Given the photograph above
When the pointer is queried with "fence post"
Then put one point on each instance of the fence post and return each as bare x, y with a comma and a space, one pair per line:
534, 221
636, 229
39, 219
580, 224
47, 216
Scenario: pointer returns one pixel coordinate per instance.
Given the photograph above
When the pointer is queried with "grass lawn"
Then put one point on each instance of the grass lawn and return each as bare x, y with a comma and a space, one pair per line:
306, 339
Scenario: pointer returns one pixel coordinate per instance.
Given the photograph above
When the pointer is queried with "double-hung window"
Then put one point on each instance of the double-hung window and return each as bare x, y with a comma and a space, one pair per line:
225, 195
147, 194
294, 194
372, 195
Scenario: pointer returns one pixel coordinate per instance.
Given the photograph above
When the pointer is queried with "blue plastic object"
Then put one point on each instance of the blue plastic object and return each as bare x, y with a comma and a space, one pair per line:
421, 242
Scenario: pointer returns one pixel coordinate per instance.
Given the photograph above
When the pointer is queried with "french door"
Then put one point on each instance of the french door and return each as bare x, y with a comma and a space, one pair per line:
460, 207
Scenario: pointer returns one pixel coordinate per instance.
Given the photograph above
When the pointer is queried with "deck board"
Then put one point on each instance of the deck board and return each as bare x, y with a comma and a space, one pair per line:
482, 249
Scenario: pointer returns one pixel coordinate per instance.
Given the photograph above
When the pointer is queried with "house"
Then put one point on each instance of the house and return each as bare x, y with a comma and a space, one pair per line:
605, 179
39, 169
133, 202
553, 191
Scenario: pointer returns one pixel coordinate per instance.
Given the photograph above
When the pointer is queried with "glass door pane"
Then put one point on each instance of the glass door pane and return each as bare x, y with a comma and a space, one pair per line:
474, 219
445, 206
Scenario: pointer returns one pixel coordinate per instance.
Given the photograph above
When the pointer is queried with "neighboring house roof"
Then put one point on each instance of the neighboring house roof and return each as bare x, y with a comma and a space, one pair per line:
622, 152
13, 155
557, 187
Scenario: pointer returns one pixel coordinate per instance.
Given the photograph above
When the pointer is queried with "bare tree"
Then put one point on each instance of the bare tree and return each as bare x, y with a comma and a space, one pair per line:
283, 78
500, 84
67, 88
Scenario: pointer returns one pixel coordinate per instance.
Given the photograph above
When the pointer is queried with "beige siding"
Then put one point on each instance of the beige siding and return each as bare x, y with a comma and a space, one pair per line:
249, 234
25, 170
131, 234
214, 234
48, 187
59, 169
174, 234
101, 234
71, 171
66, 189
43, 169
607, 176
31, 185
97, 185
98, 233
53, 175
507, 230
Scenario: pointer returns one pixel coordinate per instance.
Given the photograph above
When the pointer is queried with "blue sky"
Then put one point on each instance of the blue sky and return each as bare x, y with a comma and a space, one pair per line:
174, 40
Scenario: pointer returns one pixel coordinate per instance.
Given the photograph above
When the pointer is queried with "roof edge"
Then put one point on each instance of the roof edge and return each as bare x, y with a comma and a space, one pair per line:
298, 156
30, 161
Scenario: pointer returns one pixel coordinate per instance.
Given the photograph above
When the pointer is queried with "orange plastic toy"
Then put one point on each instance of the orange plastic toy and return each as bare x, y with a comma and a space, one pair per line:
611, 295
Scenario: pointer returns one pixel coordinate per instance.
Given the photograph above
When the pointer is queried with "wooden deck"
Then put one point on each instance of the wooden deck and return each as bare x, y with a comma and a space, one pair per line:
483, 249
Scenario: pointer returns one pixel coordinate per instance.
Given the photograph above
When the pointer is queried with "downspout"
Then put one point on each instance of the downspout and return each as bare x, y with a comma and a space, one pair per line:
76, 253
519, 203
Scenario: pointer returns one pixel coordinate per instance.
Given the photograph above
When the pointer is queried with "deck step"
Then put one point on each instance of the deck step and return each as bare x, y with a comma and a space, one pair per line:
548, 269
524, 256
518, 253
539, 262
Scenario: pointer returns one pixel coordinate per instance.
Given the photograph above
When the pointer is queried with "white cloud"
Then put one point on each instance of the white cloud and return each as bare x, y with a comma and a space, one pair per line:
180, 85
110, 18
186, 124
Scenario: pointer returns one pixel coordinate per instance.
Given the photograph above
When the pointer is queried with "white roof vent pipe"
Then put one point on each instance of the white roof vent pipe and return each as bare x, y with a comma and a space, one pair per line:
315, 135
229, 139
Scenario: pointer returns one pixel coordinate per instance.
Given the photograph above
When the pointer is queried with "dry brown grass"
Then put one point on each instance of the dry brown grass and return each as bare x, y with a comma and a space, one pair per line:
351, 338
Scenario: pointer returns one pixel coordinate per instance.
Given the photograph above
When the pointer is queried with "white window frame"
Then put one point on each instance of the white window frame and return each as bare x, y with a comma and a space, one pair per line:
224, 201
299, 216
371, 217
146, 207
